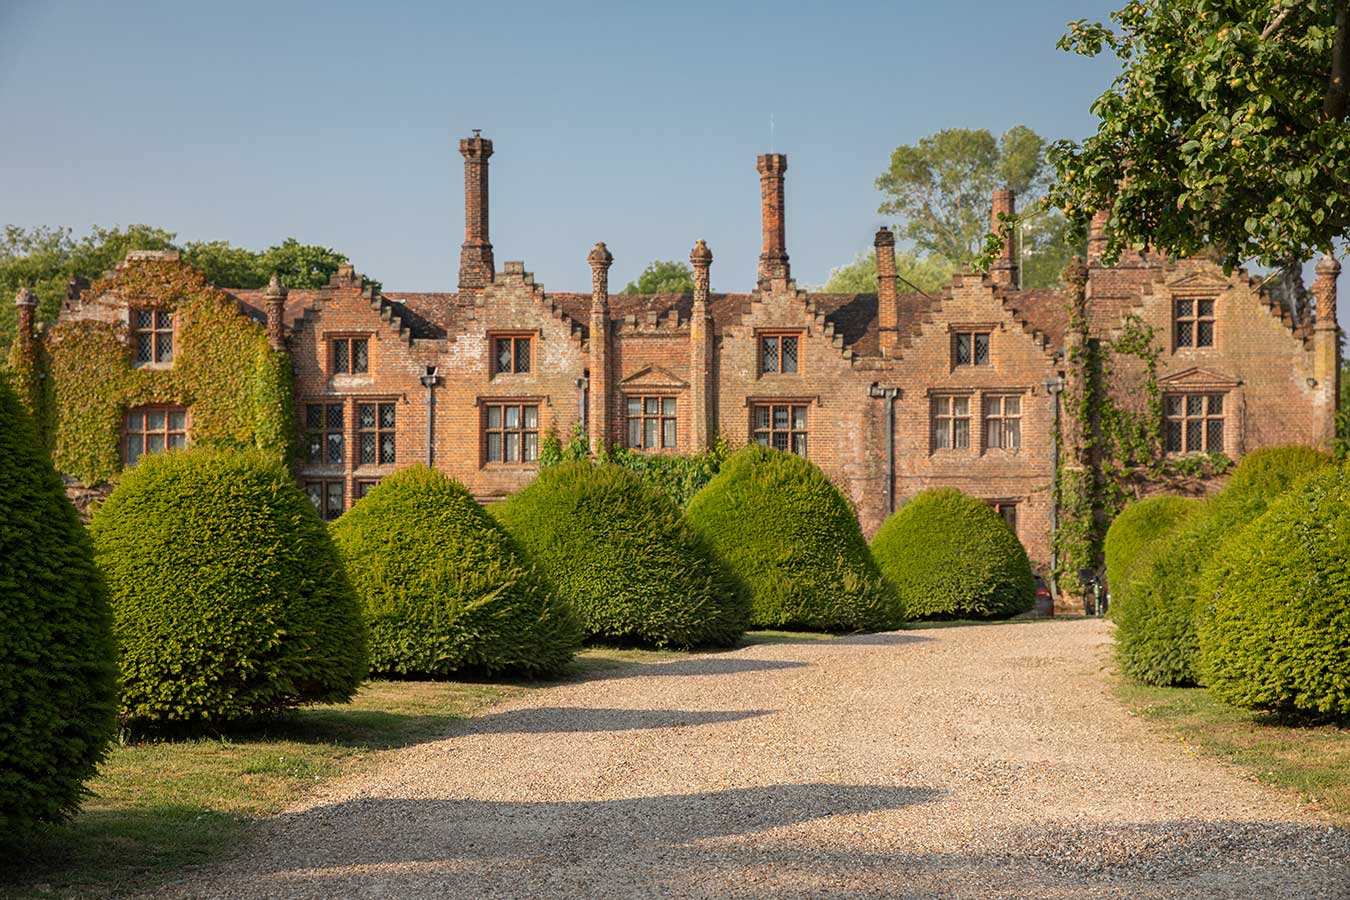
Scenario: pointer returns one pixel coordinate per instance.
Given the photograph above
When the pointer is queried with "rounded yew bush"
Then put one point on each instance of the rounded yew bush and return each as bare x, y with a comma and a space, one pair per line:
57, 670
794, 540
229, 599
1155, 620
1135, 529
619, 552
950, 555
1274, 609
443, 587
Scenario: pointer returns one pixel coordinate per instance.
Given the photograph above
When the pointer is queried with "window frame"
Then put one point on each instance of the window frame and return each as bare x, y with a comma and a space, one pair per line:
515, 337
167, 334
973, 333
1194, 319
324, 430
349, 339
485, 431
169, 409
1003, 418
660, 417
325, 510
379, 430
361, 487
1003, 508
778, 335
1206, 417
791, 430
935, 415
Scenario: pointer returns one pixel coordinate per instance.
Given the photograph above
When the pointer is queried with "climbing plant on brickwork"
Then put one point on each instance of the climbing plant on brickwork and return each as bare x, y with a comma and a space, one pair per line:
680, 477
238, 390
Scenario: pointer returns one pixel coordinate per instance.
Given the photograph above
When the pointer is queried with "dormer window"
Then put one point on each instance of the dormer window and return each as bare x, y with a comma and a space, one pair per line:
152, 335
1193, 323
349, 355
511, 354
970, 348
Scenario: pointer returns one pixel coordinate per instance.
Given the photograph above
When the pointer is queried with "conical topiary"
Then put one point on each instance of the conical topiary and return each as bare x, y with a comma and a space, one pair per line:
443, 587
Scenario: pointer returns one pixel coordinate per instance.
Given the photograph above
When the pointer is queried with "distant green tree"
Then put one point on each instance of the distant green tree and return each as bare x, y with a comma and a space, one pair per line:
860, 276
227, 265
663, 277
301, 265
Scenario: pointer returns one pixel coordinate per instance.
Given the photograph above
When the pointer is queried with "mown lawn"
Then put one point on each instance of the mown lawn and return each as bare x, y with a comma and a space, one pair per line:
160, 805
1312, 761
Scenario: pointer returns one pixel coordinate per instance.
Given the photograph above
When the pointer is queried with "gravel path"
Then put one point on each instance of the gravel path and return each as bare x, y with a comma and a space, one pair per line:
965, 762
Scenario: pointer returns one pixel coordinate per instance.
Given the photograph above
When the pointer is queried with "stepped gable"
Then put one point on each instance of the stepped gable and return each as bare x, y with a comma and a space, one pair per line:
431, 315
1044, 310
252, 304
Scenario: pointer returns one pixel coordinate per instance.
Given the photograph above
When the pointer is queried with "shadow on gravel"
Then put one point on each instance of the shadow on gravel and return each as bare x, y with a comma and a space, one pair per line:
885, 639
708, 665
563, 719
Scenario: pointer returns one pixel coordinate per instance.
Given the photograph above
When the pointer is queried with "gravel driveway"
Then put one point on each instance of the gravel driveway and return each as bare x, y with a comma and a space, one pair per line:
964, 762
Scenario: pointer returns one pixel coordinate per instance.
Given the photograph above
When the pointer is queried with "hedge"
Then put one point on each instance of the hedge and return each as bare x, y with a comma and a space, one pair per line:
795, 542
1135, 529
1274, 611
1154, 614
57, 662
619, 551
443, 588
229, 598
950, 555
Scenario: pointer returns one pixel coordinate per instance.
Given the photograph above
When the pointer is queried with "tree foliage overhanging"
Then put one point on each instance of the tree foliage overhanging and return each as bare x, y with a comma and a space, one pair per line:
663, 277
1225, 130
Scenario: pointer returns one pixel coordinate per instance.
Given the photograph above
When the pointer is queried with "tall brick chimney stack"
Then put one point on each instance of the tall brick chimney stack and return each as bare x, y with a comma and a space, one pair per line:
1004, 269
1326, 352
888, 293
25, 302
773, 258
275, 297
476, 266
598, 389
1097, 235
701, 351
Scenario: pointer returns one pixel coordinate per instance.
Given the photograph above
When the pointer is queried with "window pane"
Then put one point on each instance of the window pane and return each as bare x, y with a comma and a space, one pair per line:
1193, 435
762, 438
762, 417
1184, 308
163, 320
1214, 435
313, 416
963, 349
365, 415
652, 406
133, 448
367, 449
993, 433
341, 360
316, 448
530, 446
154, 443
1206, 308
1184, 334
780, 417
512, 416
334, 448
494, 447
177, 421
789, 345
960, 406
1012, 406
360, 355
668, 406
780, 440
1172, 404
1216, 404
335, 415
961, 433
668, 433
942, 434
942, 406
135, 421
1195, 404
143, 319
334, 500
387, 415
177, 441
386, 449
512, 446
503, 355
770, 345
1172, 438
164, 348
1204, 334
314, 490
799, 444
635, 431
981, 349
144, 347
154, 420
494, 416
993, 406
522, 354
1012, 434
799, 418
634, 406
650, 427
530, 416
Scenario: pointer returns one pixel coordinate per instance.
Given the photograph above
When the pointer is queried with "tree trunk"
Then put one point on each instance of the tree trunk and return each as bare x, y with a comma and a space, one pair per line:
1335, 105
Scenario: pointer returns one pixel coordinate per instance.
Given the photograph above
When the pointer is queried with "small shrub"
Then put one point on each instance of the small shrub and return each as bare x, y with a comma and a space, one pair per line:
1155, 618
57, 673
794, 540
229, 599
950, 555
618, 550
1274, 610
443, 587
1135, 530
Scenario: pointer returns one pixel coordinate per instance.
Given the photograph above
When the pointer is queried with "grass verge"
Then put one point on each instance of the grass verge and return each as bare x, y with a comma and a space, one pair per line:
1312, 762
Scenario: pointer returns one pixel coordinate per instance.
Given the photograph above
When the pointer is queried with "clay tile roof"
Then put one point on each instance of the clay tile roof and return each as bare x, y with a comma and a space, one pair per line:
854, 317
429, 315
253, 304
1045, 309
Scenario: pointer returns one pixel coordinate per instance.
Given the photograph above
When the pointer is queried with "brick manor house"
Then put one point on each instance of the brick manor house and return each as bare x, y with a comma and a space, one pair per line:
888, 392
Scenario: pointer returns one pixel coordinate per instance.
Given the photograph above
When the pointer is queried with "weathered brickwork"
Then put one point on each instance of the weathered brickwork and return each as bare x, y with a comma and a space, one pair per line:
970, 371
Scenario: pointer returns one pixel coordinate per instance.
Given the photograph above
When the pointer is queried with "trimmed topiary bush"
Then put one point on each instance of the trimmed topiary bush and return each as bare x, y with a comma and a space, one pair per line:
618, 550
1133, 532
229, 599
57, 669
794, 540
1154, 614
1274, 610
443, 587
950, 555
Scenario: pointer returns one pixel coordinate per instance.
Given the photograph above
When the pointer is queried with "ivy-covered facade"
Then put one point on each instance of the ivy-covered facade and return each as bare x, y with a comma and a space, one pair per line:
1054, 406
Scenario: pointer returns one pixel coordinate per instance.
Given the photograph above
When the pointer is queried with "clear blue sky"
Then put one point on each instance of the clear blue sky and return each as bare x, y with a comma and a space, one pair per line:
638, 125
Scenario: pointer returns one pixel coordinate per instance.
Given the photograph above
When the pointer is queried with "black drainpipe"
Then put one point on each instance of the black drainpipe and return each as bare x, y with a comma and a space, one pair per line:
429, 380
1054, 387
889, 394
